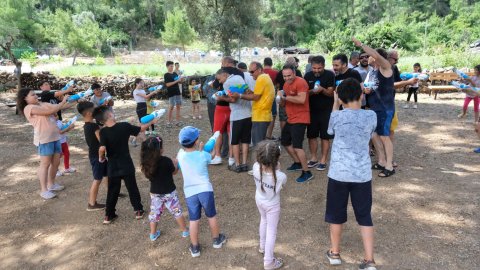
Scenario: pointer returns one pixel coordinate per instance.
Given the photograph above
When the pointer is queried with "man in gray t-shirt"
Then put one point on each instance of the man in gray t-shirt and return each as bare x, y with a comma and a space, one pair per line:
240, 120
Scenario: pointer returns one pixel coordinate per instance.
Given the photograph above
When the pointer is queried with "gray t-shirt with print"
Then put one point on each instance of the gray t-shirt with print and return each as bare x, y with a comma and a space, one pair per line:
350, 158
241, 109
96, 100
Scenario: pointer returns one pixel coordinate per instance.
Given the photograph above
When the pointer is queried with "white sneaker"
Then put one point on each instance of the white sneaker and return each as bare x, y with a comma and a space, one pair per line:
414, 106
199, 117
216, 161
47, 195
406, 106
231, 161
59, 173
56, 187
70, 170
194, 117
250, 172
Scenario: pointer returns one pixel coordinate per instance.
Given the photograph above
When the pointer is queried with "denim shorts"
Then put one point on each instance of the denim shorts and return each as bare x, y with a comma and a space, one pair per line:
49, 149
198, 201
175, 100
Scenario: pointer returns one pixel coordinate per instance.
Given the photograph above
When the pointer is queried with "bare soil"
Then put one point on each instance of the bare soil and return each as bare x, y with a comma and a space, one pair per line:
425, 216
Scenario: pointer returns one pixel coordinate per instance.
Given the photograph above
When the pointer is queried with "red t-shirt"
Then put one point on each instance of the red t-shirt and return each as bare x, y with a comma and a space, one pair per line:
272, 73
297, 113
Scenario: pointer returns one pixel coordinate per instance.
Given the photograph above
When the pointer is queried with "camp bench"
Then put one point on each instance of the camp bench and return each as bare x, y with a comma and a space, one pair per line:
440, 82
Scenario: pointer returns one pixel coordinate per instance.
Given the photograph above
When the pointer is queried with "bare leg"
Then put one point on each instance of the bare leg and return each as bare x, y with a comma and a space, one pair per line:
153, 227
387, 144
282, 124
194, 226
92, 197
218, 145
214, 228
313, 145
178, 113
325, 148
236, 153
271, 127
181, 223
170, 113
52, 172
45, 162
367, 239
302, 157
380, 151
292, 153
245, 153
335, 237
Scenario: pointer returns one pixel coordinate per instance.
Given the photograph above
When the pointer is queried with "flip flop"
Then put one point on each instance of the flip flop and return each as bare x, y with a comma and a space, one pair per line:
377, 166
386, 173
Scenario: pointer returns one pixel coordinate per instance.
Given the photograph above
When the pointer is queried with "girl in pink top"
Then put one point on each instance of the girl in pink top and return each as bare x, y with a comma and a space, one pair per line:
46, 137
475, 82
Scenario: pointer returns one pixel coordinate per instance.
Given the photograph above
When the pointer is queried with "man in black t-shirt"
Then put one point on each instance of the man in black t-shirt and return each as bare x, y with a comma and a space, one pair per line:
321, 104
114, 146
53, 97
172, 81
342, 71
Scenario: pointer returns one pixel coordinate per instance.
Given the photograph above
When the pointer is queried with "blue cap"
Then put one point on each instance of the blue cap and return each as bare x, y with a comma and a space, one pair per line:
188, 135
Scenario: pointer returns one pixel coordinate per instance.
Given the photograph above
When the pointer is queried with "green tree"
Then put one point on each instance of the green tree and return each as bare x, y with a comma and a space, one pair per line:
178, 30
77, 34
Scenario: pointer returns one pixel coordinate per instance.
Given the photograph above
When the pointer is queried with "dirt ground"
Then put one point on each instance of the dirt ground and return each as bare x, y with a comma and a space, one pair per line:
425, 216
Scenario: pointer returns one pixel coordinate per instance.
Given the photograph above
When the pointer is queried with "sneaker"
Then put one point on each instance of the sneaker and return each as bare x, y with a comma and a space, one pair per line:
193, 117
59, 173
477, 150
70, 170
406, 106
244, 168
108, 220
250, 172
199, 117
414, 106
462, 115
56, 187
95, 207
321, 167
235, 168
134, 143
367, 265
261, 250
312, 164
155, 236
219, 241
169, 125
231, 161
194, 250
334, 258
179, 124
304, 177
185, 234
122, 195
47, 195
294, 167
139, 214
216, 161
277, 264
147, 133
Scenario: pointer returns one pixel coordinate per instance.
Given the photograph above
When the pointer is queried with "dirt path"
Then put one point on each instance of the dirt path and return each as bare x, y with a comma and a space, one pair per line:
426, 216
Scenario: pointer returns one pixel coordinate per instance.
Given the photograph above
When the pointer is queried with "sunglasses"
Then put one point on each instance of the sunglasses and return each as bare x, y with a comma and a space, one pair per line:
252, 71
364, 57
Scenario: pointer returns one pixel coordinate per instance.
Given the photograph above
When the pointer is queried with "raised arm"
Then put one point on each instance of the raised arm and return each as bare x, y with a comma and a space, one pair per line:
60, 93
49, 110
382, 62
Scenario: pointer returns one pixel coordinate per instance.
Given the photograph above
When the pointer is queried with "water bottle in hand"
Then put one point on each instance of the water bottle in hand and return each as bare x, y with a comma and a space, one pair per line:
70, 83
156, 114
69, 123
208, 147
316, 87
105, 100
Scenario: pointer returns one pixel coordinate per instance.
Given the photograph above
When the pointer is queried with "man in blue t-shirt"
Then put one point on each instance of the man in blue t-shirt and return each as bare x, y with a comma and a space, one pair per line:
381, 99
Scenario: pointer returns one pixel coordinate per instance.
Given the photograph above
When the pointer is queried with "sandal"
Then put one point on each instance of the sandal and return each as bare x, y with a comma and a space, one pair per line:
386, 173
377, 166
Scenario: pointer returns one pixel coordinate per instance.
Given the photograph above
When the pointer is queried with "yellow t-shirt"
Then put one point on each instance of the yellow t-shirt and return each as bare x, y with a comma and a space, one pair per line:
262, 109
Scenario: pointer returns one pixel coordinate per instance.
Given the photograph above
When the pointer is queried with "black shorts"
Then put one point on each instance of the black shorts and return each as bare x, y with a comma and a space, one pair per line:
141, 109
293, 134
319, 125
241, 131
337, 202
99, 169
195, 101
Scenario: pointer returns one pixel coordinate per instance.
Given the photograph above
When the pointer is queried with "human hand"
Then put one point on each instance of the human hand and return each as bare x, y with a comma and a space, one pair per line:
357, 42
200, 145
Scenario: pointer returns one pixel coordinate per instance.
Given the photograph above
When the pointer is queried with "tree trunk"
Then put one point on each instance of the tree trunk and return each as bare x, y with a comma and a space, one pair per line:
184, 53
74, 57
18, 74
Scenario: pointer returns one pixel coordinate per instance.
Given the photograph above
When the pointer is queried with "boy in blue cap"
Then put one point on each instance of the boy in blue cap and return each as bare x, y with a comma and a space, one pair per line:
193, 162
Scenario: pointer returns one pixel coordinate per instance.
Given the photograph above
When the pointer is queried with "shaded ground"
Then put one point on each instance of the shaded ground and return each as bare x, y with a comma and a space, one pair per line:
426, 216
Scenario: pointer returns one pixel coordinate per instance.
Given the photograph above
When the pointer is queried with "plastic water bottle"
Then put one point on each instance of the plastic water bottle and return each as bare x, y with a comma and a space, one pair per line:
154, 103
279, 98
337, 83
196, 87
156, 87
70, 83
407, 76
104, 100
317, 85
69, 123
208, 147
368, 84
156, 114
463, 86
219, 93
461, 74
210, 83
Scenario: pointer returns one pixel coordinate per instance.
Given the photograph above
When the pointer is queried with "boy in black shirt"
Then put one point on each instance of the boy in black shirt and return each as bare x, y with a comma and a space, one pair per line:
114, 146
172, 81
92, 137
53, 97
